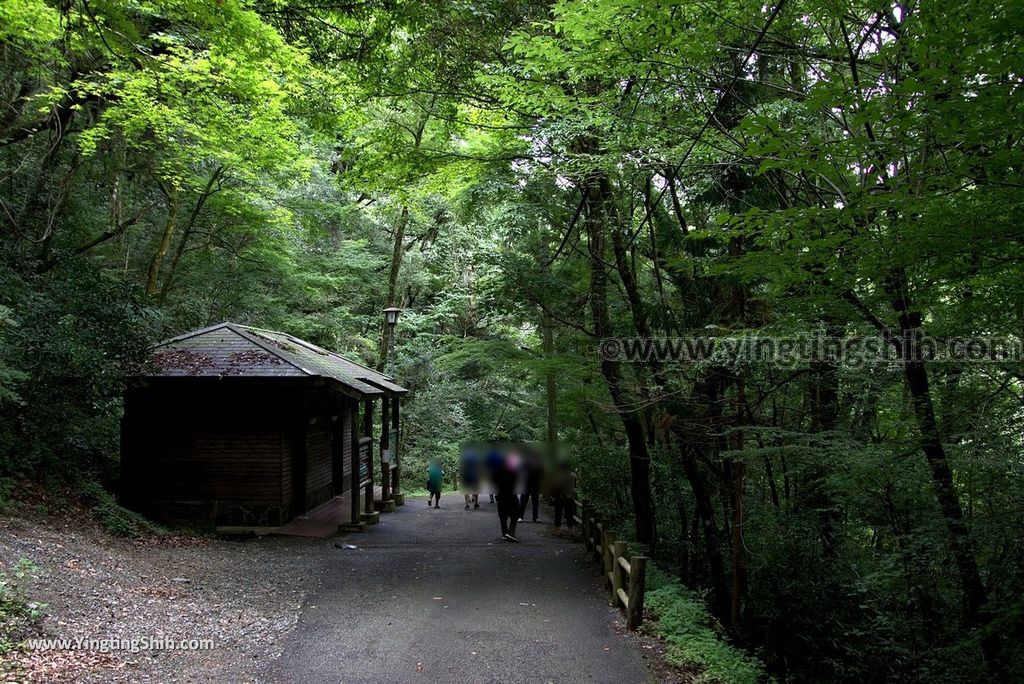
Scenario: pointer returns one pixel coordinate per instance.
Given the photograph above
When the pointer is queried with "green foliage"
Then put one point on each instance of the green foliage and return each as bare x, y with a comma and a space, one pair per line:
111, 516
20, 617
172, 164
8, 486
75, 337
695, 641
32, 25
9, 376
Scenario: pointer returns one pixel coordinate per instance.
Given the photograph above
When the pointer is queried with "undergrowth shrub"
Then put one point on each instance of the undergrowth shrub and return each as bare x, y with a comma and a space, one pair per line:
693, 640
113, 517
19, 617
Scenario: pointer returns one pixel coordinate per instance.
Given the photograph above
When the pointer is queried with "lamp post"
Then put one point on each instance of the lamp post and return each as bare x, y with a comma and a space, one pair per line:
390, 320
389, 423
387, 334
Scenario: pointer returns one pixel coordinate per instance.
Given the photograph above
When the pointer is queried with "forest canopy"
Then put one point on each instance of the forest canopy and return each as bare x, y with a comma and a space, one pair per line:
527, 180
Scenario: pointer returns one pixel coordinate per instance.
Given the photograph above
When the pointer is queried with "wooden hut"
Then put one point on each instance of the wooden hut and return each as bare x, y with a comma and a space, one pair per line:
240, 427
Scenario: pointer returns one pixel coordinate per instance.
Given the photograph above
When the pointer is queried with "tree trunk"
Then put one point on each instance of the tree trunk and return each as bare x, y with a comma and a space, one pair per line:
823, 392
548, 348
639, 456
739, 581
704, 510
153, 277
180, 250
976, 612
396, 265
399, 244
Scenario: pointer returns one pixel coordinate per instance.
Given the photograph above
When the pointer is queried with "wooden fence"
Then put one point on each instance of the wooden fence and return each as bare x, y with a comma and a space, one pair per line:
623, 575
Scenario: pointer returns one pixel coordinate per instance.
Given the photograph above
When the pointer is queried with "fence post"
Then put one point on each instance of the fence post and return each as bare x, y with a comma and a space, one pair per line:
618, 550
586, 524
609, 561
637, 576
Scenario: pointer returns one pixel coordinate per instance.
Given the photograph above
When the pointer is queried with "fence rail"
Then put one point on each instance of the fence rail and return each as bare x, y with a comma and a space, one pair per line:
624, 575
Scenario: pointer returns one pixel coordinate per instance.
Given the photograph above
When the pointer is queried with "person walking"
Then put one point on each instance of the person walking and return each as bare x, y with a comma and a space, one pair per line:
532, 469
504, 475
469, 477
435, 476
563, 489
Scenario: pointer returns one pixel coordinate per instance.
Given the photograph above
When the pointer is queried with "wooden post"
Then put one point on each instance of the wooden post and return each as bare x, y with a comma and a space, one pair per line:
637, 577
609, 561
338, 452
586, 524
395, 488
618, 551
368, 429
385, 466
354, 417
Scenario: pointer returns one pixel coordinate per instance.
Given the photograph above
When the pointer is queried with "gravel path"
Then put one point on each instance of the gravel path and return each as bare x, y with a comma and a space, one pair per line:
428, 596
437, 596
242, 595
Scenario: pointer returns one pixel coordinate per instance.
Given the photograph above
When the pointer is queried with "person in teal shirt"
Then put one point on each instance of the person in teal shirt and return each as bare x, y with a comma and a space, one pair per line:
435, 475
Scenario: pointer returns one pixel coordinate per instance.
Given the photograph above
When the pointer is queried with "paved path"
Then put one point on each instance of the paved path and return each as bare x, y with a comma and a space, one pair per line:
436, 596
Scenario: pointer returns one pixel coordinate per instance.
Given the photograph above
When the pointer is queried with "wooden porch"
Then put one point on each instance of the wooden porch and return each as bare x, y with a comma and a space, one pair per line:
322, 521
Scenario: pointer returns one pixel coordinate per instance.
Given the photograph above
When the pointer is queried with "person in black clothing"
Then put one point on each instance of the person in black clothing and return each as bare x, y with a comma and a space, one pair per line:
532, 468
504, 474
563, 489
470, 475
